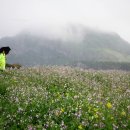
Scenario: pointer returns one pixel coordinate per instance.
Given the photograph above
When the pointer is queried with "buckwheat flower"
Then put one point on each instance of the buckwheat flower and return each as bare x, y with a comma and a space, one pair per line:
76, 96
128, 107
63, 126
20, 110
46, 126
16, 99
115, 127
37, 115
57, 112
30, 128
109, 105
96, 125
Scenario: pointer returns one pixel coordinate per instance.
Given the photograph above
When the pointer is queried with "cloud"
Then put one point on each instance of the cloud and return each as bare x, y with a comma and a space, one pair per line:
112, 15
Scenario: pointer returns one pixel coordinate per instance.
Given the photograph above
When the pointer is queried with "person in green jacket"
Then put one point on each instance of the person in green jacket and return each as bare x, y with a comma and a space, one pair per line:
3, 52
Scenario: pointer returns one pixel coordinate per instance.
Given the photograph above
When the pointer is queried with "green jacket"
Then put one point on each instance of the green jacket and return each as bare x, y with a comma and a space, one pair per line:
2, 61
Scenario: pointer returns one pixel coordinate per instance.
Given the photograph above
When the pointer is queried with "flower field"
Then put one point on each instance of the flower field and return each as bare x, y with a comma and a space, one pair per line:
64, 98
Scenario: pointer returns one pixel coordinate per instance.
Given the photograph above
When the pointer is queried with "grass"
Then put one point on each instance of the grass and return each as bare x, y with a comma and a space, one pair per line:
58, 98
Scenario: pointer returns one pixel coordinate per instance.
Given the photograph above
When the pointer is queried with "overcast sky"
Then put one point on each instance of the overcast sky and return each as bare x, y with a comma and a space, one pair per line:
111, 15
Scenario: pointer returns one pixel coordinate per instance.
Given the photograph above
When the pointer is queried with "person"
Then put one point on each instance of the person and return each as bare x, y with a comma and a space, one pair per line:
3, 52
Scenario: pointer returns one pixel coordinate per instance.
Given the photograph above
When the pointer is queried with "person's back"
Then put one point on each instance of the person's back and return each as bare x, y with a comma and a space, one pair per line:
3, 52
2, 61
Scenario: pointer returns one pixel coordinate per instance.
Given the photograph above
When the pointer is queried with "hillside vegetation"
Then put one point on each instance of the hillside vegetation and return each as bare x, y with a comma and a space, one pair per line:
64, 98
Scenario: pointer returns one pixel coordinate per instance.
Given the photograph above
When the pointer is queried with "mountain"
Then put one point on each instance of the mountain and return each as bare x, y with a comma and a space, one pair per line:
75, 44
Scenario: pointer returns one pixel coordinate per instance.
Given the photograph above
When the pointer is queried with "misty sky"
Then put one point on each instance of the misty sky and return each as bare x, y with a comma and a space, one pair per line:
111, 15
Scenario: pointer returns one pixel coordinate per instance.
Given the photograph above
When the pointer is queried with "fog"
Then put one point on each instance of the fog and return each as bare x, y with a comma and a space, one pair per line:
49, 16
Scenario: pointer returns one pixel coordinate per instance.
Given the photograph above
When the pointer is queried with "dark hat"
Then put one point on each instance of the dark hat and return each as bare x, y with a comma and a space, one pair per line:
5, 49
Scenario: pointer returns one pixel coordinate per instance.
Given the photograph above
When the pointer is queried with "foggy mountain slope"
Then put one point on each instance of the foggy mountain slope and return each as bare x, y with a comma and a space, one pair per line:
79, 44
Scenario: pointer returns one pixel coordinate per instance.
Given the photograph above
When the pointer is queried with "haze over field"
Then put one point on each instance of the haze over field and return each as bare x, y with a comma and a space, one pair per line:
110, 15
66, 32
79, 46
